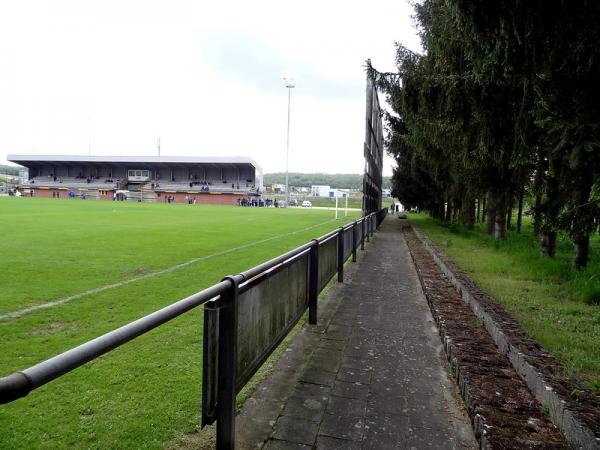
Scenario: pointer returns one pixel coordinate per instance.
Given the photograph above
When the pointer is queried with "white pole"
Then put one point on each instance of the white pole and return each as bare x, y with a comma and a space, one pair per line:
336, 207
346, 212
290, 83
287, 152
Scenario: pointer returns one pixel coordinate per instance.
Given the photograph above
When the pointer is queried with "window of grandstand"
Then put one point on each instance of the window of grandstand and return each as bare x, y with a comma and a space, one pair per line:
138, 175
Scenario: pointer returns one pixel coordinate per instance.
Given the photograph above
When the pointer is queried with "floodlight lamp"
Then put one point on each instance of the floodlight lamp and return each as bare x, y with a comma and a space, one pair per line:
290, 80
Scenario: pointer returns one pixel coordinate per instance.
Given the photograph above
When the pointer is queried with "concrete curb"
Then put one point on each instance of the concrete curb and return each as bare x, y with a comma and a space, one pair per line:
562, 411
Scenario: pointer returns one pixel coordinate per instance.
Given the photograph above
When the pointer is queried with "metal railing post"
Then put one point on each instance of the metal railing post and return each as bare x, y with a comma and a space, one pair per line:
368, 223
210, 363
362, 234
372, 224
227, 365
354, 240
340, 258
313, 282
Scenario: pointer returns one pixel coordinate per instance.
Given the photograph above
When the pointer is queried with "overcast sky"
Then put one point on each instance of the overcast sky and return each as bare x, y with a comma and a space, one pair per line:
109, 77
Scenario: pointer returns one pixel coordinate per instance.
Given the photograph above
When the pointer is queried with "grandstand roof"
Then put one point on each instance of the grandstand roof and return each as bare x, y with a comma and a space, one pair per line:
33, 159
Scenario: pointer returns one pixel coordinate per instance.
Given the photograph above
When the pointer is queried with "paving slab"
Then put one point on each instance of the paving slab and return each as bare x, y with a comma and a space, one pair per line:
370, 375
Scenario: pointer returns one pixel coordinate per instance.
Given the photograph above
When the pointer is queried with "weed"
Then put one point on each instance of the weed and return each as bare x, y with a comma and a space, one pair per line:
576, 393
479, 323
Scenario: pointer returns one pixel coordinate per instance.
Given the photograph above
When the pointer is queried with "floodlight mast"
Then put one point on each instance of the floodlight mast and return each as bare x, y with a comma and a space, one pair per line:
290, 83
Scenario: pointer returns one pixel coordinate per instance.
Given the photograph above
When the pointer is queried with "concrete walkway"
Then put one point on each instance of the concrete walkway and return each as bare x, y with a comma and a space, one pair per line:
371, 375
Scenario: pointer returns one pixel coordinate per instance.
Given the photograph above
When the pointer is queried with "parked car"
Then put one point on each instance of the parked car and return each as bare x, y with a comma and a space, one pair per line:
293, 202
306, 204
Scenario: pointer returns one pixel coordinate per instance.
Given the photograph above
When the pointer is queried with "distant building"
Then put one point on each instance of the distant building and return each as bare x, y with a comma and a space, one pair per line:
328, 192
339, 193
320, 190
278, 188
210, 180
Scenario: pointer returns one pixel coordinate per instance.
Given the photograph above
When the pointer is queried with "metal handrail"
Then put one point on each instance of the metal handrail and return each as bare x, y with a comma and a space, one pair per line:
257, 270
20, 383
327, 236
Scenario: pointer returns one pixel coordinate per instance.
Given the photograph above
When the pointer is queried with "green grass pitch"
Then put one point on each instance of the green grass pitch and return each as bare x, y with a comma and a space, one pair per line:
142, 394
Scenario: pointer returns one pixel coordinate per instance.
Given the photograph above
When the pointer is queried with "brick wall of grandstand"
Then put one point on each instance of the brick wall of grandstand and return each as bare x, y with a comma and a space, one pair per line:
148, 196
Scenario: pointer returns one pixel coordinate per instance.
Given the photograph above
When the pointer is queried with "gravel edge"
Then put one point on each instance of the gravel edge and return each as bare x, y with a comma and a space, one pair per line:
562, 412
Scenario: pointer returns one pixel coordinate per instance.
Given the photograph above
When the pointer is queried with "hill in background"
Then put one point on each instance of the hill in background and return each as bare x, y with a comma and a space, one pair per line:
337, 181
9, 170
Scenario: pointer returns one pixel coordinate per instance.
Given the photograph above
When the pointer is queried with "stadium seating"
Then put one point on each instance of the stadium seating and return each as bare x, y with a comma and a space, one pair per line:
71, 183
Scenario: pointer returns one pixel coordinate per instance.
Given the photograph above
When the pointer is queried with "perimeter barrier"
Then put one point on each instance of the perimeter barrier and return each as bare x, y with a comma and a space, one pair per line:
246, 316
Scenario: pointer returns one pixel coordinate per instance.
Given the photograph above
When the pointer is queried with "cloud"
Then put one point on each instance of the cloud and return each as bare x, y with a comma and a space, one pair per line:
248, 59
112, 76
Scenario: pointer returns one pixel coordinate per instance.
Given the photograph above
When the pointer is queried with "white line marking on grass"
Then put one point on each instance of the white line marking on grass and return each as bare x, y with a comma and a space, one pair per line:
22, 312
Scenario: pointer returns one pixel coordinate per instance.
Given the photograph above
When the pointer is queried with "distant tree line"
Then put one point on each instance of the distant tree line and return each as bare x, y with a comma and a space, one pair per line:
9, 170
502, 106
336, 181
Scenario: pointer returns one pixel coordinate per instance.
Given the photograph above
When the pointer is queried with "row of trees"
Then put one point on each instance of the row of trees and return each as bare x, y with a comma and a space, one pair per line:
9, 170
503, 103
336, 181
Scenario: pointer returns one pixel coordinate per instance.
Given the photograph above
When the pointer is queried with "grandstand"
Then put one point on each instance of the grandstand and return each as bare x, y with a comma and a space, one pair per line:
217, 180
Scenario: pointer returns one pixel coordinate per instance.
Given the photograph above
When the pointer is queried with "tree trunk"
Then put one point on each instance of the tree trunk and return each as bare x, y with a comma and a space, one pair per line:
490, 219
508, 211
483, 210
581, 250
520, 212
539, 180
477, 210
438, 211
500, 224
456, 212
583, 221
537, 217
449, 210
467, 214
548, 244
